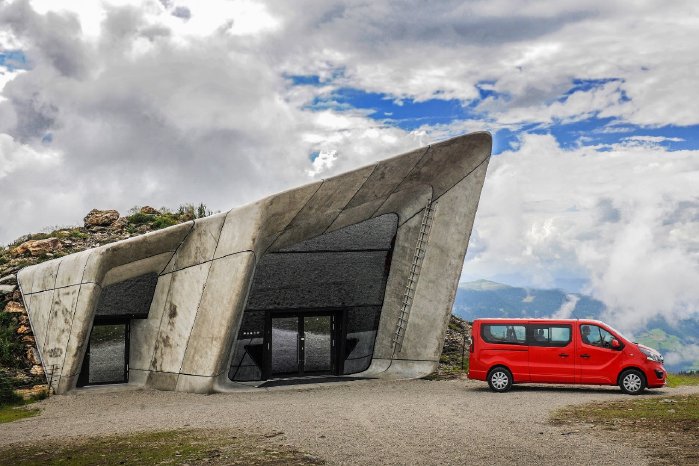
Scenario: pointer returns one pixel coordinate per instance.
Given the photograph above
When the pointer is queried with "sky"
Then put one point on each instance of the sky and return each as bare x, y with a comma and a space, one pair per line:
594, 182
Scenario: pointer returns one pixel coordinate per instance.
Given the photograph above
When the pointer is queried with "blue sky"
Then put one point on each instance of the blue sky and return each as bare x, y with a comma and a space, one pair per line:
594, 182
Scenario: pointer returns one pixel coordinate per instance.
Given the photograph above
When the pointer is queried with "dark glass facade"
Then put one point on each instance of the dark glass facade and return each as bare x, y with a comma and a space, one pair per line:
314, 307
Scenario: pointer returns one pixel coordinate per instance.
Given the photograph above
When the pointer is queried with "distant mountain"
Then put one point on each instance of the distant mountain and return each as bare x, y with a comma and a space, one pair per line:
485, 298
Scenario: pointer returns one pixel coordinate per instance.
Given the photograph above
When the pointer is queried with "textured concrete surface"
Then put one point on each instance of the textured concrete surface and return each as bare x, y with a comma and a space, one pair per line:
206, 267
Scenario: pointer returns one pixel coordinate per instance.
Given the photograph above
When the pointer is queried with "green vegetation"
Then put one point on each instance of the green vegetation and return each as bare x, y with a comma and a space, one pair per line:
675, 380
650, 411
169, 447
667, 427
10, 346
9, 413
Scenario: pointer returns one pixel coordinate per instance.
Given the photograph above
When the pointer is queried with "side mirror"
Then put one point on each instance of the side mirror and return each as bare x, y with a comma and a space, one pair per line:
615, 344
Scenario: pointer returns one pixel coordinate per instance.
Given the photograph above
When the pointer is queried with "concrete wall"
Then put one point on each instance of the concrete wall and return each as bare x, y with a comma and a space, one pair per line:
205, 270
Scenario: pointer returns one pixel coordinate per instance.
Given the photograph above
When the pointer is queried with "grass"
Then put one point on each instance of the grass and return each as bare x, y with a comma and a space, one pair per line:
10, 413
667, 427
169, 447
675, 380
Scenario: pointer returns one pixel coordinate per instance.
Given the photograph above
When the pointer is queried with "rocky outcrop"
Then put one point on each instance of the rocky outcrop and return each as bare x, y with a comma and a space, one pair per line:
38, 247
100, 218
148, 210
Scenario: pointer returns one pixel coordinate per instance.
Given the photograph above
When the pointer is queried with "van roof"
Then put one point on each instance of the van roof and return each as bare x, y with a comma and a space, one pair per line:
532, 319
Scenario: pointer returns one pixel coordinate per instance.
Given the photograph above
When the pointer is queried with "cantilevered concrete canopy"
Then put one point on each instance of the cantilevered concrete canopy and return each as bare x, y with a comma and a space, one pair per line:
185, 289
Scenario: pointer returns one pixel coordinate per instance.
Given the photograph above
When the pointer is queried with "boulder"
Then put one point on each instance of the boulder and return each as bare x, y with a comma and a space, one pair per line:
148, 210
14, 307
100, 218
24, 329
37, 370
38, 247
120, 223
7, 289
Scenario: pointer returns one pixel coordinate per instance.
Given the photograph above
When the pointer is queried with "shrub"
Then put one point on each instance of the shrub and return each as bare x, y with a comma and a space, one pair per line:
10, 346
163, 221
7, 393
140, 218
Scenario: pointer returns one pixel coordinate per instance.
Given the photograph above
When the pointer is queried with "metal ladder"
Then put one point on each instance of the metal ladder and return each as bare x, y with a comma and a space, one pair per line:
415, 267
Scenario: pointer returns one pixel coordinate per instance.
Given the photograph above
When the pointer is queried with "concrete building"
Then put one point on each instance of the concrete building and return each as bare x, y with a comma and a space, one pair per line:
354, 274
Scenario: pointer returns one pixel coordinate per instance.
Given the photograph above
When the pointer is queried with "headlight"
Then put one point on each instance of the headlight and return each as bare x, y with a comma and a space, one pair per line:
652, 355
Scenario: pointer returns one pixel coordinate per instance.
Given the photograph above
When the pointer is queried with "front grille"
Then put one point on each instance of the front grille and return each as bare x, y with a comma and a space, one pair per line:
659, 373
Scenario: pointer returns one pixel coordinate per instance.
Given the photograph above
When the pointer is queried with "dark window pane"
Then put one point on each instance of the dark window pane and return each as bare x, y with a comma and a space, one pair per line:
501, 333
285, 349
107, 357
362, 324
248, 353
317, 344
130, 297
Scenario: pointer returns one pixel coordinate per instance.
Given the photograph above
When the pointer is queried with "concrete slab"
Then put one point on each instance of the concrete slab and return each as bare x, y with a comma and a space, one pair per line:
178, 317
219, 315
145, 331
107, 257
83, 316
200, 244
153, 264
38, 306
59, 326
255, 226
323, 208
71, 269
441, 269
449, 162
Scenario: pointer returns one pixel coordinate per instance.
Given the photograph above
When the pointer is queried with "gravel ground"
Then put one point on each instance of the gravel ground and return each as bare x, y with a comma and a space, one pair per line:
363, 422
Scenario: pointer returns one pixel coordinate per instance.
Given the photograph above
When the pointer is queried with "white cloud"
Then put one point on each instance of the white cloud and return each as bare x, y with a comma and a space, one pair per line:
624, 219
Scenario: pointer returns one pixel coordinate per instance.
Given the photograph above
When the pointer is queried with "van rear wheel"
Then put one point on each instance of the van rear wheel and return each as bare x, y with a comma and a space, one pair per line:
500, 379
632, 382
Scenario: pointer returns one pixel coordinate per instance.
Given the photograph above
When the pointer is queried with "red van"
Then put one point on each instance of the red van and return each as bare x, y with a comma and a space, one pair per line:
561, 351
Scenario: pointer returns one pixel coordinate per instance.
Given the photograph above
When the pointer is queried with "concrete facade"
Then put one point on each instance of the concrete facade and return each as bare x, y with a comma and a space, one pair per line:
205, 270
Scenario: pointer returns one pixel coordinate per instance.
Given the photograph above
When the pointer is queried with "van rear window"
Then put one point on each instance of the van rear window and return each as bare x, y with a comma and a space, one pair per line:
499, 333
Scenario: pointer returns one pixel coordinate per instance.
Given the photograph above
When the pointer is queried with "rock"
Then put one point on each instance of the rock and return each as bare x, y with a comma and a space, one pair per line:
23, 330
29, 340
148, 210
120, 223
15, 307
37, 370
33, 356
17, 296
7, 289
97, 218
37, 391
9, 279
37, 247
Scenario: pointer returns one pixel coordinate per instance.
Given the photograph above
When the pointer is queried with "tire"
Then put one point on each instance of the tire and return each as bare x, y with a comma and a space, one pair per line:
500, 379
632, 382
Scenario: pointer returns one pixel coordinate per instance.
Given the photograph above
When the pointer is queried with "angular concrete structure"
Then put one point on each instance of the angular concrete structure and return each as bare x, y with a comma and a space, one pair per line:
355, 274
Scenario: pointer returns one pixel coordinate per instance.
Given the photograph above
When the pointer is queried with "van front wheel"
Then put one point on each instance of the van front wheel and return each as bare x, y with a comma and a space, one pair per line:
632, 382
500, 379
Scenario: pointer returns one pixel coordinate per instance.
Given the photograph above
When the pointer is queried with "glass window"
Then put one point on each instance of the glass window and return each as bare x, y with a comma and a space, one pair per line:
550, 335
596, 336
503, 333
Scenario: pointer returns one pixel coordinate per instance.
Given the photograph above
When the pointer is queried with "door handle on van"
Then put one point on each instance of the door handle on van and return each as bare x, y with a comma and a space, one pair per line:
563, 355
585, 355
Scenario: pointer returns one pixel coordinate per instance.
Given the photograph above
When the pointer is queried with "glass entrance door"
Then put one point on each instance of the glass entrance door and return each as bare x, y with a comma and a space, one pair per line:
107, 355
317, 344
285, 346
302, 345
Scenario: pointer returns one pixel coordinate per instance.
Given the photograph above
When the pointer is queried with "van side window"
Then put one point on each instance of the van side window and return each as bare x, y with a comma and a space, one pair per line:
550, 335
513, 334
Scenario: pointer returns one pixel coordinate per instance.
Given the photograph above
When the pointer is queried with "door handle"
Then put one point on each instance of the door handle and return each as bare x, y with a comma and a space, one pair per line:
563, 355
586, 356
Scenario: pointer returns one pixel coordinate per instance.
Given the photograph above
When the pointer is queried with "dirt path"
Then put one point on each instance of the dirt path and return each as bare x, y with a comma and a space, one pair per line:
365, 422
